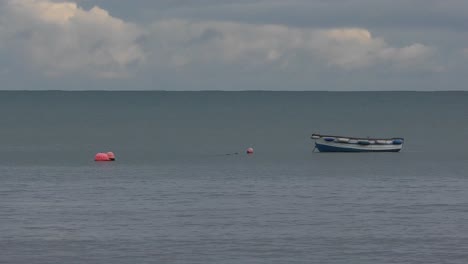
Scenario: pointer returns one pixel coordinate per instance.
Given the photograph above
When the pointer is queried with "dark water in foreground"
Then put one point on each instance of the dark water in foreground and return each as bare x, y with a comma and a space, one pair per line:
173, 196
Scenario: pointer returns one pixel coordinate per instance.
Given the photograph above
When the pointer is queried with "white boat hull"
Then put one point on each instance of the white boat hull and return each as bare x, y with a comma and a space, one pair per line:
332, 146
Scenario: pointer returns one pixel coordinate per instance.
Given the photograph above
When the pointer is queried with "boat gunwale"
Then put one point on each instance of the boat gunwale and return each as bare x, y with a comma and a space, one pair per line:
356, 138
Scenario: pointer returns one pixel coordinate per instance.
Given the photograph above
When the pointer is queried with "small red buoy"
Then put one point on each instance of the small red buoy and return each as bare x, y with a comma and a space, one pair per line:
250, 151
101, 157
111, 156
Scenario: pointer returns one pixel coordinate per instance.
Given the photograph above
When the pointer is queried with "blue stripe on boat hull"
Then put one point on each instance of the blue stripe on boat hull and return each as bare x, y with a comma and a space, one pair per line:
326, 148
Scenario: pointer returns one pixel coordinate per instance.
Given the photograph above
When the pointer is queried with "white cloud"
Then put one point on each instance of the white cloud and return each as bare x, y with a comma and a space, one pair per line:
182, 43
61, 38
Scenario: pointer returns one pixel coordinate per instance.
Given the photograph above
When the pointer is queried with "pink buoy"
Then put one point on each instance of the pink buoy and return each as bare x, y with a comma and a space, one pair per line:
101, 157
250, 151
111, 155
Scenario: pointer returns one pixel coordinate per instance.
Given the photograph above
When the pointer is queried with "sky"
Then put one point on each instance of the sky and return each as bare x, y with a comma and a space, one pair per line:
325, 45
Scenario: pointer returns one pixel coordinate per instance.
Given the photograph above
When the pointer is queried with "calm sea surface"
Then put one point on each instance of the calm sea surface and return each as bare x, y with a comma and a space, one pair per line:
175, 196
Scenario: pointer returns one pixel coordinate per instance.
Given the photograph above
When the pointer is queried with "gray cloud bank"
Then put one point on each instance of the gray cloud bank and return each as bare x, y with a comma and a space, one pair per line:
66, 45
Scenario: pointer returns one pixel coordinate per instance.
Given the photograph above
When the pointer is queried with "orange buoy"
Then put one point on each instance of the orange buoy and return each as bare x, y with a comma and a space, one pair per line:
111, 156
250, 151
101, 157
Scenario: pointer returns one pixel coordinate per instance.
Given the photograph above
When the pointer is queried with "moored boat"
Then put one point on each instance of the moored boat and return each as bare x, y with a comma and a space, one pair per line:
327, 143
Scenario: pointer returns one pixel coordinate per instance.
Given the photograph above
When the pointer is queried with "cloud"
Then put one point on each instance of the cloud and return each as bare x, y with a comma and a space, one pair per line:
181, 43
60, 38
65, 41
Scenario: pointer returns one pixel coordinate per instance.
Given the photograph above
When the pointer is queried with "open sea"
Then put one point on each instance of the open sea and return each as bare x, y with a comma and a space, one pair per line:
178, 193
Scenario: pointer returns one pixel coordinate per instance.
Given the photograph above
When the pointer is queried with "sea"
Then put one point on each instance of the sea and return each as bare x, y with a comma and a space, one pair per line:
183, 190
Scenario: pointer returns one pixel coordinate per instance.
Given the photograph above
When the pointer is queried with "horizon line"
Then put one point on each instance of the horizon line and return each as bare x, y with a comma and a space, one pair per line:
328, 91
